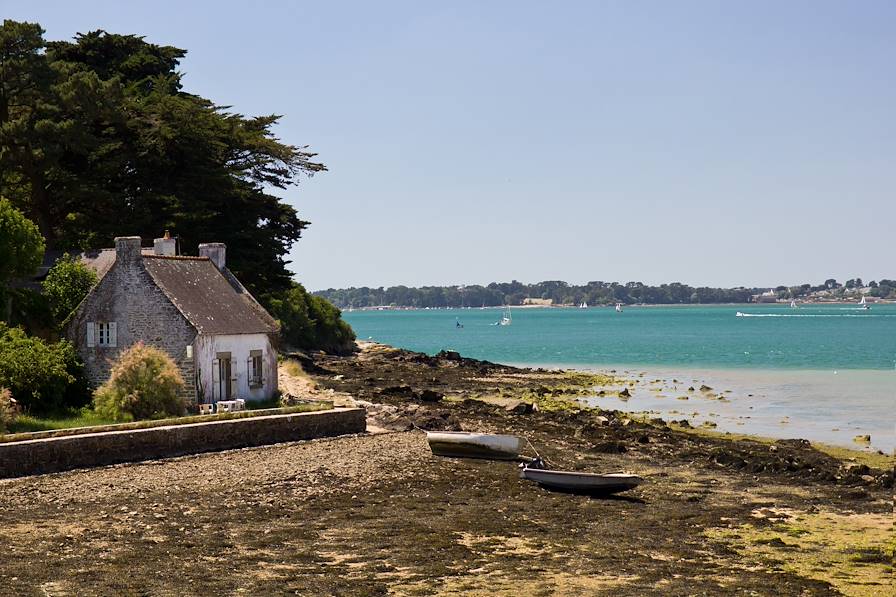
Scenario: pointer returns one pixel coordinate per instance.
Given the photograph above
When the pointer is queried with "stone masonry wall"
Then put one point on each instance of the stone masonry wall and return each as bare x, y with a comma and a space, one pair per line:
128, 296
56, 454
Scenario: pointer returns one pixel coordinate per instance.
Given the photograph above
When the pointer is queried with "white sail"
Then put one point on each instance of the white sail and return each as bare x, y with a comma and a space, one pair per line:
584, 305
506, 318
619, 307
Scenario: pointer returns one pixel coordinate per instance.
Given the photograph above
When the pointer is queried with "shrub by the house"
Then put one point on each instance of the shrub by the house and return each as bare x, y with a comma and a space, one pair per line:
43, 377
145, 384
8, 409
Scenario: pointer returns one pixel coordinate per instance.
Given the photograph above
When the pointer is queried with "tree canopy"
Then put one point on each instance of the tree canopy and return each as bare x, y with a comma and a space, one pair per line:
563, 293
99, 139
21, 245
67, 283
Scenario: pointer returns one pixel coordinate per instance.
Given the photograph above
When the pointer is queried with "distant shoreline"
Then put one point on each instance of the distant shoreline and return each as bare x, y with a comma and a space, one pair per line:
611, 305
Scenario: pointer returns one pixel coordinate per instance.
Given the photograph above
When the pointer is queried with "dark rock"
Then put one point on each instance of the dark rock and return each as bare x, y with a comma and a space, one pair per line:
644, 439
519, 407
773, 542
610, 447
625, 393
705, 388
430, 396
795, 443
401, 390
856, 469
449, 355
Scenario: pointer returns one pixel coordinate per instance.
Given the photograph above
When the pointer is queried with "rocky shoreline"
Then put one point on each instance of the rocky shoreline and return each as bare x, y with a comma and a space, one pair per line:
377, 514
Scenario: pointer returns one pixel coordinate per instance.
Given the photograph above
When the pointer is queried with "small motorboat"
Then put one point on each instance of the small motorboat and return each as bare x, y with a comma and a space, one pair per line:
466, 444
577, 482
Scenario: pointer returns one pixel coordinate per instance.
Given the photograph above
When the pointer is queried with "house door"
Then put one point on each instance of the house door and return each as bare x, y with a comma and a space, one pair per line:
222, 372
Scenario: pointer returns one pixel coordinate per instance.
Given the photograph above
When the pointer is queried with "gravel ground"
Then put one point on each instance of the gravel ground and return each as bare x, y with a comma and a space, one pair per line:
379, 514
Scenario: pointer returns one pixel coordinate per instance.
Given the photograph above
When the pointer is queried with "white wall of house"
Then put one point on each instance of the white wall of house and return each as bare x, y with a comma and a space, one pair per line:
206, 350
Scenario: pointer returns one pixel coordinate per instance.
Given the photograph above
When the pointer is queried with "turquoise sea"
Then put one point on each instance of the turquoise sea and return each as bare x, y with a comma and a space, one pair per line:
821, 372
769, 337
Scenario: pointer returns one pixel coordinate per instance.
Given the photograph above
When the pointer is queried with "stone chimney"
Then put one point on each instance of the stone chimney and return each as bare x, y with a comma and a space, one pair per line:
127, 249
165, 245
216, 252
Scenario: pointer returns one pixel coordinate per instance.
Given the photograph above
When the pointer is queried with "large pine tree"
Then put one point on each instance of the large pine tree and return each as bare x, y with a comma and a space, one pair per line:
98, 139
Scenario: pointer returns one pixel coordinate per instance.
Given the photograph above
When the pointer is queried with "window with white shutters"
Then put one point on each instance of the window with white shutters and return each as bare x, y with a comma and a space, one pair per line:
105, 334
254, 366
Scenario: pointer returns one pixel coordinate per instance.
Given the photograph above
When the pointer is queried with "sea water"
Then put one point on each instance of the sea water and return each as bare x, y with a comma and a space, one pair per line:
823, 372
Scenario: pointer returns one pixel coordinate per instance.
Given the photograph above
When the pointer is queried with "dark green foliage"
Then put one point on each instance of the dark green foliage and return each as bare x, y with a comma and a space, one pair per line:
66, 285
42, 377
514, 293
310, 322
594, 293
29, 310
97, 134
21, 245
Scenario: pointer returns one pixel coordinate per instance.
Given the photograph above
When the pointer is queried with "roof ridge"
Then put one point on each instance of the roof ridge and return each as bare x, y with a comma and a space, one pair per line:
179, 257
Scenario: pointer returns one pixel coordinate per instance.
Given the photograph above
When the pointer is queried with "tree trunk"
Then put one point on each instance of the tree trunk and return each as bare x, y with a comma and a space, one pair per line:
40, 200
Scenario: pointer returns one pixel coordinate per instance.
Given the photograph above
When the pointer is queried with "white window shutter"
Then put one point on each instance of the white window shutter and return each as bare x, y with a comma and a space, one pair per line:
91, 330
216, 379
113, 334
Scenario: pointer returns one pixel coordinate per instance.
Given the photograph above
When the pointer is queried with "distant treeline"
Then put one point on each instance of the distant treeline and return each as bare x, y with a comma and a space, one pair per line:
594, 293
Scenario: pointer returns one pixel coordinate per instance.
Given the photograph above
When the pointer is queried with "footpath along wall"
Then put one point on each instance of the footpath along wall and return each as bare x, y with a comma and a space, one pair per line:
55, 454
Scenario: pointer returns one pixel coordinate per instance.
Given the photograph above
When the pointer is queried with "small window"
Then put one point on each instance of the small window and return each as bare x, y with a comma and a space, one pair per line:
105, 334
255, 366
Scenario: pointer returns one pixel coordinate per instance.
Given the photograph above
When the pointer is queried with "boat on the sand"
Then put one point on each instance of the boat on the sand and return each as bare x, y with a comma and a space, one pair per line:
467, 444
577, 482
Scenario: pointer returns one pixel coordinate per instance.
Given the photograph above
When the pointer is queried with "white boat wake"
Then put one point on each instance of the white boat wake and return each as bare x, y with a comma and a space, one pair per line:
740, 314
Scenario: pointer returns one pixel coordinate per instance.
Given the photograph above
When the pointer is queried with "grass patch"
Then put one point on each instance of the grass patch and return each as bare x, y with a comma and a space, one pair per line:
82, 418
293, 368
272, 402
853, 552
42, 428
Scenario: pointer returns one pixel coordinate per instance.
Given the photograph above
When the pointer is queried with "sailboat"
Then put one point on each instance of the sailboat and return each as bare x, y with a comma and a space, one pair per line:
793, 305
584, 305
506, 319
619, 307
863, 305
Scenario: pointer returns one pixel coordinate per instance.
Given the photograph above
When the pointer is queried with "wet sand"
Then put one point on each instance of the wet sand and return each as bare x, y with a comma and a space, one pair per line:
823, 406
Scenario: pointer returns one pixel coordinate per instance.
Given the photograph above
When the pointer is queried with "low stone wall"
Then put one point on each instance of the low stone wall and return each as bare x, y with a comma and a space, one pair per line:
50, 455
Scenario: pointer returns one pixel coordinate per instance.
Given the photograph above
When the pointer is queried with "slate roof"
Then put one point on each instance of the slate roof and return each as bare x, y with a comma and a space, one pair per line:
211, 303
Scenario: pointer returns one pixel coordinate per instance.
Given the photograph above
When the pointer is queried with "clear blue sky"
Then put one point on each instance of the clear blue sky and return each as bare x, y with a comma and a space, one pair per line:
708, 142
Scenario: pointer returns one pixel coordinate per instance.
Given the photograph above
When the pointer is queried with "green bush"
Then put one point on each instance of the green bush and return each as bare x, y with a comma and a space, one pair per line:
310, 322
145, 384
67, 283
43, 377
21, 245
8, 409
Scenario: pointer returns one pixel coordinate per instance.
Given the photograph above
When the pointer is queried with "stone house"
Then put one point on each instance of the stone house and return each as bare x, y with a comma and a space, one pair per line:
193, 308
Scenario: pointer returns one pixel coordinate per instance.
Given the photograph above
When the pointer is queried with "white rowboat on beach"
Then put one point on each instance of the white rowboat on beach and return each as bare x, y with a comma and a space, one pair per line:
582, 482
466, 444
